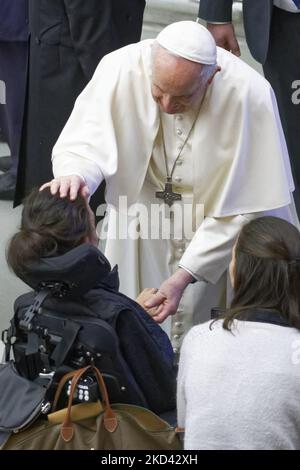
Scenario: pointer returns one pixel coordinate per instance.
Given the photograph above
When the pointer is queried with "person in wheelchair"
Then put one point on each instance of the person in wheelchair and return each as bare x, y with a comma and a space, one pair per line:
239, 376
76, 314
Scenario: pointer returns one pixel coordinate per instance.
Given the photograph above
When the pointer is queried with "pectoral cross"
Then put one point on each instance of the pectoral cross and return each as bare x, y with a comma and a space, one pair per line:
168, 194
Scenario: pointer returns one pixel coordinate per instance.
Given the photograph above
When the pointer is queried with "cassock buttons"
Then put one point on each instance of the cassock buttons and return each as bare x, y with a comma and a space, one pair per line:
178, 328
179, 117
179, 131
177, 179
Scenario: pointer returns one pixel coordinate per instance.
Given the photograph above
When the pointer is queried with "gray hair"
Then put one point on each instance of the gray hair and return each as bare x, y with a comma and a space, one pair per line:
207, 71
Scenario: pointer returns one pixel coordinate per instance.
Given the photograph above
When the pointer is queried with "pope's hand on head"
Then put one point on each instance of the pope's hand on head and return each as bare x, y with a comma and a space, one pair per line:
167, 298
225, 37
68, 185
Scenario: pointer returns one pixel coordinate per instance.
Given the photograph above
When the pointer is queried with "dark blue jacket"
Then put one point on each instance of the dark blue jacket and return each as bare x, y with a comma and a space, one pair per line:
13, 20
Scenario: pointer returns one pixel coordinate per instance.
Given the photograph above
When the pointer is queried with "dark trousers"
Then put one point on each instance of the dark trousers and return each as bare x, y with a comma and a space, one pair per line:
282, 70
13, 72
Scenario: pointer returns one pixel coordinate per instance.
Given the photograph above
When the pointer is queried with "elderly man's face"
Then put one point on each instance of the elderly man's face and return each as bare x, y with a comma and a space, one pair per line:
176, 82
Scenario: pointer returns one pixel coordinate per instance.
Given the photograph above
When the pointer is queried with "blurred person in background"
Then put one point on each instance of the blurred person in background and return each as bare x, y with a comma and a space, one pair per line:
272, 29
68, 38
13, 73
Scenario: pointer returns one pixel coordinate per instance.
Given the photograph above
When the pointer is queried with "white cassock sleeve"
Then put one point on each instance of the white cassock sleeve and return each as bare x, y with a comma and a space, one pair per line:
208, 255
73, 153
79, 168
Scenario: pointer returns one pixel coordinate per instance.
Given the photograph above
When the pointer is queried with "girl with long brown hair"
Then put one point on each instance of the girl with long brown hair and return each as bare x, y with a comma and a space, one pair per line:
239, 376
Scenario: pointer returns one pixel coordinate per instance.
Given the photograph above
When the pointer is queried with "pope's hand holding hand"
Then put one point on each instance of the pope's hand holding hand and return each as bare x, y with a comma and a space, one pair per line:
167, 298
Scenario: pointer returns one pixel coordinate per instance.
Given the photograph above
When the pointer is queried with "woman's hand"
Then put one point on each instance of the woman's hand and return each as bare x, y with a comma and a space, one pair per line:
144, 296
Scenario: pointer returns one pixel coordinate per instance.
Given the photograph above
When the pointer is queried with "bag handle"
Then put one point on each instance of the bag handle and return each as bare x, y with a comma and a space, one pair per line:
110, 420
60, 387
65, 378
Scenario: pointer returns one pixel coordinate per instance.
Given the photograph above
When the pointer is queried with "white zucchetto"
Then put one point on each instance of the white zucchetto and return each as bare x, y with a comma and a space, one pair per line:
189, 40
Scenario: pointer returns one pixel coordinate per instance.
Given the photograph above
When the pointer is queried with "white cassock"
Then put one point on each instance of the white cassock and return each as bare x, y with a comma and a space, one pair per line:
234, 165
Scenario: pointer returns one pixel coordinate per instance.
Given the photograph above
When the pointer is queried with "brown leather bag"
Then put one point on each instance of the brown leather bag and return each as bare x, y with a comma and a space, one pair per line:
95, 426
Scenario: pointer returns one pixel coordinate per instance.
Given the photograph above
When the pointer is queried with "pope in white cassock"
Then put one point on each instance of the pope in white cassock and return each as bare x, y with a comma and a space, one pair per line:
176, 110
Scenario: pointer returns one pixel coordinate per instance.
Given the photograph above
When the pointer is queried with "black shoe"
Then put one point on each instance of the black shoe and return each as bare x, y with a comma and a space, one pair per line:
5, 163
7, 187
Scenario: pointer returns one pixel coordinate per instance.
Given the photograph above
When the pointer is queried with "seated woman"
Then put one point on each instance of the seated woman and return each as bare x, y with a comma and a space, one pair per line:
52, 227
239, 376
